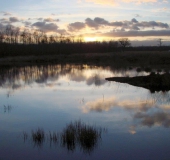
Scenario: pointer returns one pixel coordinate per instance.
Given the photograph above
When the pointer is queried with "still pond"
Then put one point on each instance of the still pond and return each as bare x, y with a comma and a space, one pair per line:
70, 112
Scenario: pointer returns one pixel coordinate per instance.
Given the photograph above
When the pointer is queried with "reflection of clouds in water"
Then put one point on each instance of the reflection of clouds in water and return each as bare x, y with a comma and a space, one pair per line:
151, 119
98, 80
100, 105
144, 113
77, 76
132, 130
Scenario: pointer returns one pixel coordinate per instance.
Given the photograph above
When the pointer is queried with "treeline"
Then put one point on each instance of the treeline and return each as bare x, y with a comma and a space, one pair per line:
13, 35
14, 42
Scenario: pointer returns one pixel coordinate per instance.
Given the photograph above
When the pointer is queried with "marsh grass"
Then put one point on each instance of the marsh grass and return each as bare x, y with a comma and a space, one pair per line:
75, 135
146, 60
25, 136
53, 137
78, 133
154, 82
7, 108
38, 137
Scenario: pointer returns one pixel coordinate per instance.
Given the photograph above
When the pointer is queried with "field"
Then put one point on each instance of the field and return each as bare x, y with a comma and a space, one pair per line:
127, 59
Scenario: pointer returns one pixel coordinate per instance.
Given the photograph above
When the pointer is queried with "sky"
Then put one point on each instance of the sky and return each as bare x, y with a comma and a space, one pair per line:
91, 19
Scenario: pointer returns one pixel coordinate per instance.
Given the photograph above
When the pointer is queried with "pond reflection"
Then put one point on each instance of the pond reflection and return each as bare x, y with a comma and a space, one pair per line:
19, 77
155, 111
41, 100
75, 135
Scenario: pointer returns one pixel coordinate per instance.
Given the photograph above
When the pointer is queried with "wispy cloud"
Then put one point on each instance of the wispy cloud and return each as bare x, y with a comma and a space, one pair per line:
103, 2
7, 14
115, 2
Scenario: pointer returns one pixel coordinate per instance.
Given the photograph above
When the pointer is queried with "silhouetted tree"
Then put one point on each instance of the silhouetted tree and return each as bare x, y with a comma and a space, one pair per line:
160, 43
124, 42
2, 36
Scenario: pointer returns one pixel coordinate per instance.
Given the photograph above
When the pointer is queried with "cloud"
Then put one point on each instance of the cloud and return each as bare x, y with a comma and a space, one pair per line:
125, 28
117, 24
115, 2
133, 24
76, 26
103, 2
39, 19
91, 23
13, 19
1, 26
100, 21
46, 27
134, 33
96, 22
27, 23
10, 20
140, 1
61, 31
137, 15
51, 20
7, 14
4, 20
134, 20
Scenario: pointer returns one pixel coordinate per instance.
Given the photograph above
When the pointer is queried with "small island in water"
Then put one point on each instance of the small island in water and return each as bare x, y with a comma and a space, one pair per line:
153, 82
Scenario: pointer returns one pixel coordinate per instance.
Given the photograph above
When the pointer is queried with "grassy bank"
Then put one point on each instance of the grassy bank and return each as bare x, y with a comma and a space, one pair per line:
142, 59
153, 82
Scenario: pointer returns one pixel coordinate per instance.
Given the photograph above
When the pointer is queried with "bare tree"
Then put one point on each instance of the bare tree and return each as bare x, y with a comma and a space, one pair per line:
9, 34
2, 36
160, 42
24, 36
16, 35
124, 42
52, 39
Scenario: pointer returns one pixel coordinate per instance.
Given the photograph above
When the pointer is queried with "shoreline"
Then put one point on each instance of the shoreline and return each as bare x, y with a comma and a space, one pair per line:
152, 59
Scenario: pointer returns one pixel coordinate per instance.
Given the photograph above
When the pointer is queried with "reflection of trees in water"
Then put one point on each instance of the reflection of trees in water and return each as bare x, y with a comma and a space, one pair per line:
74, 135
161, 97
17, 77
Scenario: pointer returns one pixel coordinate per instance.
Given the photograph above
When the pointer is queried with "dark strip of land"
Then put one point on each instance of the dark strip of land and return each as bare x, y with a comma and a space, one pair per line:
153, 82
142, 59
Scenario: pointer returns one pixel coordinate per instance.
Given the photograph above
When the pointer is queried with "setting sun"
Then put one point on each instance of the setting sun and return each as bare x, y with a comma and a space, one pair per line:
90, 39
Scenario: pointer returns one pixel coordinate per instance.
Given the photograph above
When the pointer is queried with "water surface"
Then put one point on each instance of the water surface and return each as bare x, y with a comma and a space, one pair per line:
134, 123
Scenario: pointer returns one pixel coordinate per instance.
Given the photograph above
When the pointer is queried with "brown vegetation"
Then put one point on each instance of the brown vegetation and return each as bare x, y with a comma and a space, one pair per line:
153, 82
